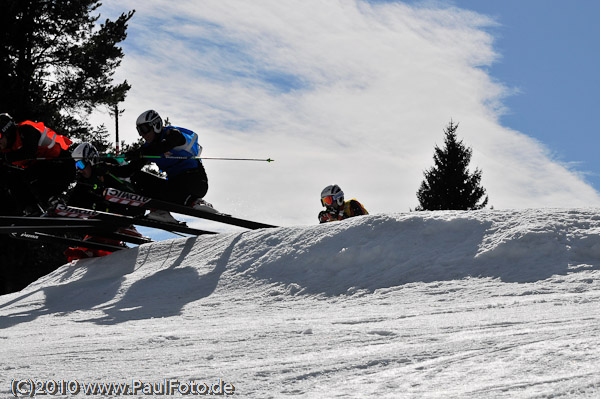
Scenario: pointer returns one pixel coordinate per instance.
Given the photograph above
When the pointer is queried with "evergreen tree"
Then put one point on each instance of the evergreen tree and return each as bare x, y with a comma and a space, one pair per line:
99, 138
57, 63
448, 185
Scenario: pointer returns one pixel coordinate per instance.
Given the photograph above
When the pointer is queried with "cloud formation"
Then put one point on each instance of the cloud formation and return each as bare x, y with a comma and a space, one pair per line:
346, 92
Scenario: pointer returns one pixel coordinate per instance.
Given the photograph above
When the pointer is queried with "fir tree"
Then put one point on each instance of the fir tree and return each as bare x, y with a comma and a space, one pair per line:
57, 63
448, 185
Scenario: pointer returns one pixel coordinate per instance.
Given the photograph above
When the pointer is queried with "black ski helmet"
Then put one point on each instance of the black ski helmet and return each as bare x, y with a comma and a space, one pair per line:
7, 124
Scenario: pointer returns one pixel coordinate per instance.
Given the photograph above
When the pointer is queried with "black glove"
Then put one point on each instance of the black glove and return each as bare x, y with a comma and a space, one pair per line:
101, 169
134, 155
53, 202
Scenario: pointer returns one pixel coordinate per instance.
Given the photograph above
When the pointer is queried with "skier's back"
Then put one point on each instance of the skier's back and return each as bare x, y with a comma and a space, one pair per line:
38, 161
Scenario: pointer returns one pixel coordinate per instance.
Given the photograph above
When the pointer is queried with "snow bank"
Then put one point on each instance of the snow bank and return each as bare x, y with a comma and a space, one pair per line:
360, 254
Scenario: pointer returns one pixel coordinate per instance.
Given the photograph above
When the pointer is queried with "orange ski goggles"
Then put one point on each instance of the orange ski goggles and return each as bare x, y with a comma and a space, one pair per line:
330, 199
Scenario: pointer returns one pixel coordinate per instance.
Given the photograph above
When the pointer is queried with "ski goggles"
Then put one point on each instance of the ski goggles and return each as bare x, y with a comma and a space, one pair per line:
81, 164
330, 199
144, 129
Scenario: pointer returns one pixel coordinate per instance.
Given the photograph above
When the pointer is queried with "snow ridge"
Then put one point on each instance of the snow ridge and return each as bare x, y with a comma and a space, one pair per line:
359, 255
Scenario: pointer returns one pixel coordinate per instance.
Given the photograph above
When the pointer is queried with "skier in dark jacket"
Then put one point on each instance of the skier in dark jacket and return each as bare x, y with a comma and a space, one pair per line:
332, 198
36, 163
94, 175
176, 152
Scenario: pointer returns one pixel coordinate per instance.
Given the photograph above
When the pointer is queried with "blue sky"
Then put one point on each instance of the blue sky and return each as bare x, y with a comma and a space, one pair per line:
550, 53
358, 93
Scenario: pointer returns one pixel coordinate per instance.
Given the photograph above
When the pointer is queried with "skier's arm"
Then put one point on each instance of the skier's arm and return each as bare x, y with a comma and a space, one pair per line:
328, 216
171, 139
323, 217
75, 194
357, 209
127, 170
107, 167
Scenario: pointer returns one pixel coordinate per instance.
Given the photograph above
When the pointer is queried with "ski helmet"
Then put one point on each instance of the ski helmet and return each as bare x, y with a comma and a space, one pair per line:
7, 124
331, 196
85, 154
149, 121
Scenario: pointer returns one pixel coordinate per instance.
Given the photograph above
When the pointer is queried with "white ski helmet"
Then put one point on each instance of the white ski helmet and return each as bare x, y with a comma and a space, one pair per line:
332, 195
149, 121
85, 154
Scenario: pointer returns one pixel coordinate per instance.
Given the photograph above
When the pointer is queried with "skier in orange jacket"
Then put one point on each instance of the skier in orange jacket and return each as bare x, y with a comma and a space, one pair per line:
36, 163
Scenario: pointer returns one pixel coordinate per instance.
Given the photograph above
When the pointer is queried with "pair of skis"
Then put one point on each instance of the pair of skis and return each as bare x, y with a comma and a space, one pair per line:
104, 224
131, 199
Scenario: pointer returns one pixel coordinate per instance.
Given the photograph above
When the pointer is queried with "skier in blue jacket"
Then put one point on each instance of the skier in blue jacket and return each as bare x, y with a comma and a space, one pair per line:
177, 154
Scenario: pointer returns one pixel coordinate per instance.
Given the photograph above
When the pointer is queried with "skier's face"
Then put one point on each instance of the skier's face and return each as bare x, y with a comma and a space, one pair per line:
3, 142
86, 172
149, 136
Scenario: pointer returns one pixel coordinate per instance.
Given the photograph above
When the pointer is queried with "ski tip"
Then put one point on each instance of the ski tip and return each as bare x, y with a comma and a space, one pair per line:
206, 208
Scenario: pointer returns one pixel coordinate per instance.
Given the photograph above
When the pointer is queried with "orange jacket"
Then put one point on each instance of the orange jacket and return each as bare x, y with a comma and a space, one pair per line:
49, 145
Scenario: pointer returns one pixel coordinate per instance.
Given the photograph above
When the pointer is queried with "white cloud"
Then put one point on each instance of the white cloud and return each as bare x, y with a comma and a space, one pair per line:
342, 92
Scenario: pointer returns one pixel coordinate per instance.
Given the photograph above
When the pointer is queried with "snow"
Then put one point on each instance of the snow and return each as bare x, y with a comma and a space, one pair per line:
485, 304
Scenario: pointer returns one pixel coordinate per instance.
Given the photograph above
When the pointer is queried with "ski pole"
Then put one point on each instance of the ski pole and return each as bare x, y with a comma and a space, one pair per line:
122, 156
213, 158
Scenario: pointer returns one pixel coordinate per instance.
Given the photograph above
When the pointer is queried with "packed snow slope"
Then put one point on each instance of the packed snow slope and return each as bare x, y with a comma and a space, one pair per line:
486, 304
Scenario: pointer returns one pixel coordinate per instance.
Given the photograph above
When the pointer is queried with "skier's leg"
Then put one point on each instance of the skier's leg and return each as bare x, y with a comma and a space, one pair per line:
150, 185
50, 179
15, 182
188, 186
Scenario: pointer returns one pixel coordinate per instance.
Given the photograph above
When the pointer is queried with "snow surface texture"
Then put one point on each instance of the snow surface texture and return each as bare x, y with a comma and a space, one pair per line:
486, 304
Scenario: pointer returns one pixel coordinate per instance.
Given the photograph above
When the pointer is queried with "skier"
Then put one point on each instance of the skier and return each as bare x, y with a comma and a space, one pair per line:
93, 176
37, 164
332, 198
177, 152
